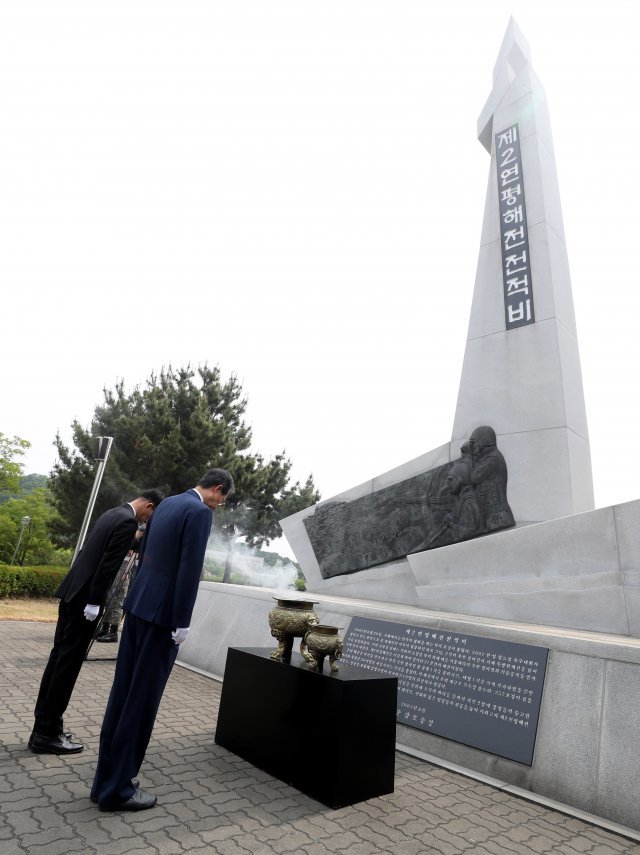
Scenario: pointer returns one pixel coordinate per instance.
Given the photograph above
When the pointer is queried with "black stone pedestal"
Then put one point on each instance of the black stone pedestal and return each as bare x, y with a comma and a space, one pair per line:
331, 736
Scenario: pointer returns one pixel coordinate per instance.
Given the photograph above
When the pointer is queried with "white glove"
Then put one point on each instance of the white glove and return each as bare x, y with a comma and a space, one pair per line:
179, 635
91, 612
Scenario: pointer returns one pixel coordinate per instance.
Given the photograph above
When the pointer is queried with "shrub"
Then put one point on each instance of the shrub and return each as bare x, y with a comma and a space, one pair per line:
30, 581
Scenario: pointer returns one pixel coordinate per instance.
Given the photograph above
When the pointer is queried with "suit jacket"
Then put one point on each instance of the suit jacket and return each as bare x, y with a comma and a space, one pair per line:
92, 573
171, 558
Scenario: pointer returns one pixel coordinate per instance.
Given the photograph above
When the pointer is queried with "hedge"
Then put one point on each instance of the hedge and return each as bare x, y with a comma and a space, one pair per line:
30, 581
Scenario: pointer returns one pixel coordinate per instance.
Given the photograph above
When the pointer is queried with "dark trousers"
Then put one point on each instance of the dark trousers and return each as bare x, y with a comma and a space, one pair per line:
70, 642
145, 660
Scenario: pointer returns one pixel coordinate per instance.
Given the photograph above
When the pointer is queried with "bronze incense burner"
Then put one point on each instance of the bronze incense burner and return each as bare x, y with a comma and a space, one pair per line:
290, 619
319, 642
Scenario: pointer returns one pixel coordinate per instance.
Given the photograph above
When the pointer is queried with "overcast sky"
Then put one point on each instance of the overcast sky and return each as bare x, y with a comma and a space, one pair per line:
295, 191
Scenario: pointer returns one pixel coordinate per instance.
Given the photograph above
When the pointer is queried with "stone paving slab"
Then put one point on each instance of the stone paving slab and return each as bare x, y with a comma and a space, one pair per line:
211, 801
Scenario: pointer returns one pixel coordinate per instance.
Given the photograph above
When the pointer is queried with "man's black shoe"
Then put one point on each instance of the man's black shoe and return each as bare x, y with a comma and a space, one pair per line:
54, 745
135, 782
66, 733
138, 801
109, 633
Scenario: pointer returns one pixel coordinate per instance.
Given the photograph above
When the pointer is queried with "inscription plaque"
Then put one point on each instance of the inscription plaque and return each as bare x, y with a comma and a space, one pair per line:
482, 692
514, 238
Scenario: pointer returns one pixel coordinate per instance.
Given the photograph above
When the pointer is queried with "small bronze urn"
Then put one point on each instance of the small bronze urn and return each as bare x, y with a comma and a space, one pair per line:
290, 619
321, 641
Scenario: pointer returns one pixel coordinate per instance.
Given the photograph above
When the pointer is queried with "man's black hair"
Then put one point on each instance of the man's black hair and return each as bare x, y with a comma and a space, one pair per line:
153, 496
217, 478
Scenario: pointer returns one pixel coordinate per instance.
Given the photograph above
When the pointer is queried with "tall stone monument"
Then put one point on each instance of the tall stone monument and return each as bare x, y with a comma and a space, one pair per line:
521, 376
517, 646
521, 371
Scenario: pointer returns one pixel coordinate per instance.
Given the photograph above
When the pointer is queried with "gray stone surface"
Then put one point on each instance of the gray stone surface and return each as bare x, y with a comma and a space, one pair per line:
618, 748
498, 382
589, 689
632, 602
564, 732
527, 380
562, 602
628, 534
238, 621
570, 572
581, 571
211, 801
390, 583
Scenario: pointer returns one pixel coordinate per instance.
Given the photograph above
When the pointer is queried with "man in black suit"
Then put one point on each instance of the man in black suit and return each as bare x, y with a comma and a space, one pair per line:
158, 613
82, 594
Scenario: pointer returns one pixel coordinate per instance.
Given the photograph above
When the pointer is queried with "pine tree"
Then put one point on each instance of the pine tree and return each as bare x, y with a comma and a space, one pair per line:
166, 435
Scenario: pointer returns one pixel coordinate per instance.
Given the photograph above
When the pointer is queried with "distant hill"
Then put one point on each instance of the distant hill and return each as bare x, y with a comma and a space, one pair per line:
28, 483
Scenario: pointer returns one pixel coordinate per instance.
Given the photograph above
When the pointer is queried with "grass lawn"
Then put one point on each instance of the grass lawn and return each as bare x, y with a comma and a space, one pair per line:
17, 608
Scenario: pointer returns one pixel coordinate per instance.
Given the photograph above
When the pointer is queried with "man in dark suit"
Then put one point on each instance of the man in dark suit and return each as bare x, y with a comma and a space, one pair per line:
158, 613
82, 594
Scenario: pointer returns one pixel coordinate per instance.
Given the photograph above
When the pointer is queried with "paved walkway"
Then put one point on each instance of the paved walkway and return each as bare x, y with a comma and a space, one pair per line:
212, 801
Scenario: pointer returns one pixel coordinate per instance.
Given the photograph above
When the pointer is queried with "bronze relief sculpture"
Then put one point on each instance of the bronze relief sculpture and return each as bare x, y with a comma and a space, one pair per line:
455, 502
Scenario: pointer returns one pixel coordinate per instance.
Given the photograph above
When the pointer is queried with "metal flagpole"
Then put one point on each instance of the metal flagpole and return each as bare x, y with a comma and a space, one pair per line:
25, 524
102, 455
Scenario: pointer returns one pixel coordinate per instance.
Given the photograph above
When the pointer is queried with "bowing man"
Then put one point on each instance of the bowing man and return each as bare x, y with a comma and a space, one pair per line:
158, 611
82, 594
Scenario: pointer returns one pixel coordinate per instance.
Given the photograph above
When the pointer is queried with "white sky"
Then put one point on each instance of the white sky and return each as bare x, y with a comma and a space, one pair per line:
295, 191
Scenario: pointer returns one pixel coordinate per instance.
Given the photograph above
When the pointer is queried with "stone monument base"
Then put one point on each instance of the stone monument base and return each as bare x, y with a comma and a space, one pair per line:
589, 719
579, 572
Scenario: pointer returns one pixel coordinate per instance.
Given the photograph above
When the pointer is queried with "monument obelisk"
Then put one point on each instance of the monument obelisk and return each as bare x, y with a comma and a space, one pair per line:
566, 586
521, 372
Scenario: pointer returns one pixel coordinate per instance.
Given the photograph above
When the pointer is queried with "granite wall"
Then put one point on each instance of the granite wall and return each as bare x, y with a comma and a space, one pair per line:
589, 720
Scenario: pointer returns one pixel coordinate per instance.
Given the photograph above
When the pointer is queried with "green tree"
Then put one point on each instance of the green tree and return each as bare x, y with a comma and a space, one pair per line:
10, 469
167, 433
9, 533
36, 546
31, 482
